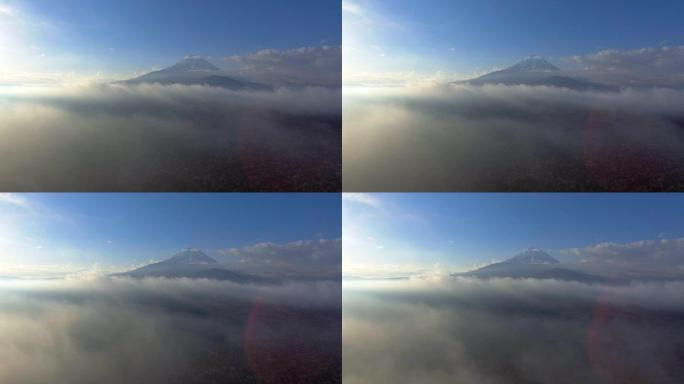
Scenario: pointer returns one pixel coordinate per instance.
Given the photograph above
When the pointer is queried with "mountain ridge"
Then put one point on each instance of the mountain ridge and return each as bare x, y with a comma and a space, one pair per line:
533, 263
537, 71
195, 264
195, 70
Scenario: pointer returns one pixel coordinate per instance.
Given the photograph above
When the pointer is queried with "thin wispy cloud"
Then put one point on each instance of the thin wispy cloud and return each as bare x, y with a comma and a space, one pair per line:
14, 200
351, 7
656, 257
304, 66
362, 198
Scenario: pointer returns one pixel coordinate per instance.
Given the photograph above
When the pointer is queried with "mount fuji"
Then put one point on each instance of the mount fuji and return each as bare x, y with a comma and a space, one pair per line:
537, 71
533, 263
194, 70
193, 263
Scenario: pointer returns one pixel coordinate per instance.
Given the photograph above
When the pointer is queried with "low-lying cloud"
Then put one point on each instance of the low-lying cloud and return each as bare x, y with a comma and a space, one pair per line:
653, 66
317, 259
153, 137
512, 331
513, 138
660, 257
321, 65
157, 330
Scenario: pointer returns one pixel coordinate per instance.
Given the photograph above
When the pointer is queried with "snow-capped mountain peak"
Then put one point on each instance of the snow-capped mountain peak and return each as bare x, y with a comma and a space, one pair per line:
190, 256
532, 256
193, 64
533, 63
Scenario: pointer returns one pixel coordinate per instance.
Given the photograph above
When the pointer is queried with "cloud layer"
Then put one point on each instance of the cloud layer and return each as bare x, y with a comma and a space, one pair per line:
659, 66
513, 138
321, 66
512, 331
154, 137
315, 259
662, 258
168, 331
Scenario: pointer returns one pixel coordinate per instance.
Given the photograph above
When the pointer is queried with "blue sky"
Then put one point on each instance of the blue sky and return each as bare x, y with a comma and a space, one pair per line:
405, 233
72, 231
465, 37
116, 36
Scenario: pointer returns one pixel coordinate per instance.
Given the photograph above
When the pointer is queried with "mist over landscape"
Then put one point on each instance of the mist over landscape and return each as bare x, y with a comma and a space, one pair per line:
160, 330
124, 96
506, 330
267, 313
99, 288
497, 137
174, 137
438, 289
513, 97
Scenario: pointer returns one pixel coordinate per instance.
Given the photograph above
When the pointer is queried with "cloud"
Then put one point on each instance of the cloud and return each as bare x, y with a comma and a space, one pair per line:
351, 7
320, 66
513, 138
14, 200
663, 257
307, 258
361, 198
661, 66
155, 137
503, 330
168, 331
7, 11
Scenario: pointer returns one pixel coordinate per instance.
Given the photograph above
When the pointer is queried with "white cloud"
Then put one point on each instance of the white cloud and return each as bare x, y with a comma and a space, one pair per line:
7, 11
320, 258
318, 66
661, 66
14, 199
663, 257
363, 199
638, 60
351, 7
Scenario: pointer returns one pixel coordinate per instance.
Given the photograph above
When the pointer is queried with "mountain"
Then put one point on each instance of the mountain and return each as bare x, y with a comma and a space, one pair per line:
194, 70
533, 263
532, 63
192, 63
532, 256
193, 263
189, 256
536, 71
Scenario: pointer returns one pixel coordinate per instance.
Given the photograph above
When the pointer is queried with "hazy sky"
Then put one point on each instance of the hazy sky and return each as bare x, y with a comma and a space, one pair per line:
44, 233
407, 233
460, 38
82, 37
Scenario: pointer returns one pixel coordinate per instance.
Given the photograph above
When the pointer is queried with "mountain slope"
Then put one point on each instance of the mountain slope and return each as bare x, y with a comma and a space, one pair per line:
536, 71
533, 263
532, 256
192, 63
533, 63
194, 70
189, 256
193, 263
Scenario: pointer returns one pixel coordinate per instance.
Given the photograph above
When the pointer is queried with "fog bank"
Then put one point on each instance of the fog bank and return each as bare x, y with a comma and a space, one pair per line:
153, 137
512, 331
513, 138
158, 330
